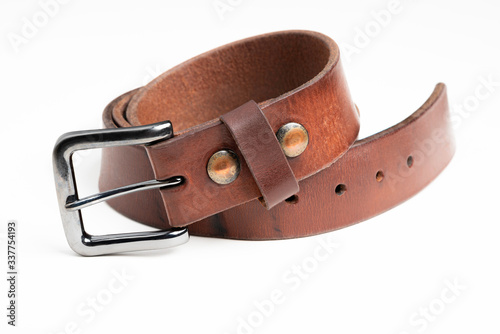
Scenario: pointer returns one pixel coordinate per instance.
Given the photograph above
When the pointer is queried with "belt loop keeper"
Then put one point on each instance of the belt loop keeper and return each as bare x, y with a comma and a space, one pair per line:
262, 152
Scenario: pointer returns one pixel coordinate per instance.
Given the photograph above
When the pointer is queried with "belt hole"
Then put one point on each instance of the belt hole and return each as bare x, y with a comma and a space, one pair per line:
292, 199
340, 189
379, 176
409, 161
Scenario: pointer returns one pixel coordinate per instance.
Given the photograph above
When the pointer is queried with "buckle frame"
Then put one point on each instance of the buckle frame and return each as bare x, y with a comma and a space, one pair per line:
70, 204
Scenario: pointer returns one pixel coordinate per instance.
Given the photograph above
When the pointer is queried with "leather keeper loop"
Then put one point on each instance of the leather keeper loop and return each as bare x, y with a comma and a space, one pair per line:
262, 152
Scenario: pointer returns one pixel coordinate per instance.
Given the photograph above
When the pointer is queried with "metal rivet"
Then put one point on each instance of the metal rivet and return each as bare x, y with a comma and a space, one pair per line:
223, 167
293, 138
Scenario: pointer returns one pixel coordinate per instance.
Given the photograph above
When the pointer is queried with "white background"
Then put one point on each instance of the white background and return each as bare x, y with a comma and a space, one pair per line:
383, 272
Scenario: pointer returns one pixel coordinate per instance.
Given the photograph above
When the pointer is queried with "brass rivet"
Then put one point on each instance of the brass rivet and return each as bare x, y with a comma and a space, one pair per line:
293, 138
223, 167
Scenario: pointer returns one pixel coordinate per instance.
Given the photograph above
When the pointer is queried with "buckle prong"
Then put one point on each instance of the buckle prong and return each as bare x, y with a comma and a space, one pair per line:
70, 204
132, 188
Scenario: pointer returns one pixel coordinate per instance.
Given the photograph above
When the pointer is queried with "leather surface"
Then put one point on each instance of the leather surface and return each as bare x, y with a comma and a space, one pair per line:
295, 76
262, 152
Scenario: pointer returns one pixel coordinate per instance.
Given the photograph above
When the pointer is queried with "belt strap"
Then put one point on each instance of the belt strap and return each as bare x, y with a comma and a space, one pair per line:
295, 76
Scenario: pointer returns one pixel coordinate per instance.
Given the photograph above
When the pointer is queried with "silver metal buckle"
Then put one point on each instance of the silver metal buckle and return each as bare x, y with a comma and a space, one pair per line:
70, 204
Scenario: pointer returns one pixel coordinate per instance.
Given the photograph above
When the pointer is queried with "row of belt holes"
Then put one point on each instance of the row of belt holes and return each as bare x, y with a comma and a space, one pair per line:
340, 189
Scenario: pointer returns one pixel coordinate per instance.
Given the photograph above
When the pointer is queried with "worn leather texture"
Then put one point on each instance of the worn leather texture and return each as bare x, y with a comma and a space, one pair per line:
294, 76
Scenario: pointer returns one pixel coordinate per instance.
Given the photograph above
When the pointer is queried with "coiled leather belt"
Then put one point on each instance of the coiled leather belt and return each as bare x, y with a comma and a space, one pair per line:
298, 83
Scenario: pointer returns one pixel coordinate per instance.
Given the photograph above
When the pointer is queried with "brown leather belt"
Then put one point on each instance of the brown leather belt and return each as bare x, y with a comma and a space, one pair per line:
298, 83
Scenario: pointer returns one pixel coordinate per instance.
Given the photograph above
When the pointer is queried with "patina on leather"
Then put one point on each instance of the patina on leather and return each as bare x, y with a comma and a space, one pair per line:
294, 76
